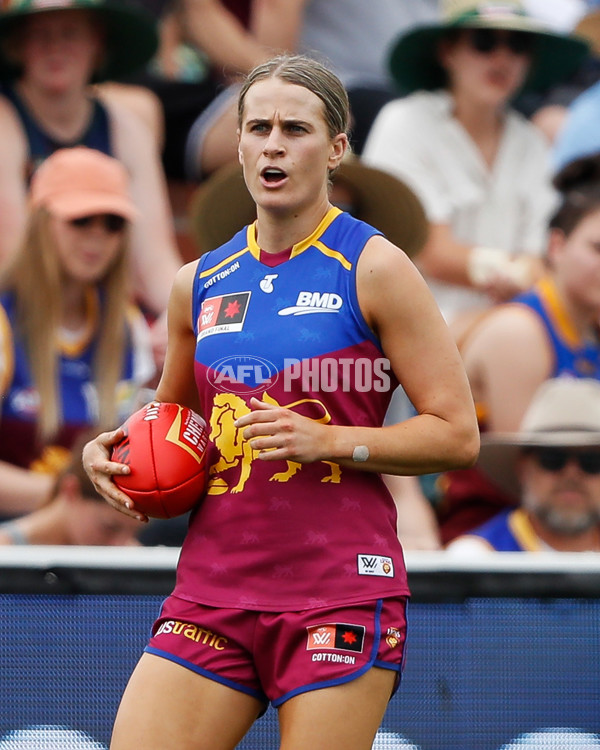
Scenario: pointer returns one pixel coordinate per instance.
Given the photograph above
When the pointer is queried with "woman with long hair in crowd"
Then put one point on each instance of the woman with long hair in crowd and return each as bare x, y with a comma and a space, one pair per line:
74, 350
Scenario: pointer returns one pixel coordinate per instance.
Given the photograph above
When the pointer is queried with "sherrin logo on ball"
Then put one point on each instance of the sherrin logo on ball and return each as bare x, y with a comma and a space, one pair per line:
165, 448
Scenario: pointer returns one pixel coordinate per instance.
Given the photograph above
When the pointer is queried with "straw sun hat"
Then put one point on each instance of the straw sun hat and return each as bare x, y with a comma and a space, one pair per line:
131, 34
414, 62
564, 413
222, 206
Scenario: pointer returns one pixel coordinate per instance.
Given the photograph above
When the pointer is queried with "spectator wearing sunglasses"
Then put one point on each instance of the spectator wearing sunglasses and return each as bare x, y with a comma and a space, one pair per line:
481, 169
548, 331
74, 352
553, 464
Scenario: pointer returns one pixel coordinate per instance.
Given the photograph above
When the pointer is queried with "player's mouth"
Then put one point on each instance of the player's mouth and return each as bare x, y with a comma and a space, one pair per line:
273, 176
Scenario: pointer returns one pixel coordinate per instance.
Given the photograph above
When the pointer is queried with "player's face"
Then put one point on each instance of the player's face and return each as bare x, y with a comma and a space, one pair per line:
576, 261
558, 490
60, 49
488, 73
88, 246
285, 147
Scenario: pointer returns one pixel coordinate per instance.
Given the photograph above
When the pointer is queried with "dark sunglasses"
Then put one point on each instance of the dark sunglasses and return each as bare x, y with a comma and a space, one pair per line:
488, 40
555, 459
112, 223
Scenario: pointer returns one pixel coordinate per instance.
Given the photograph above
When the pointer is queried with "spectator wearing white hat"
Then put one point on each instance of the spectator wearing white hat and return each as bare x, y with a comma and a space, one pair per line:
553, 464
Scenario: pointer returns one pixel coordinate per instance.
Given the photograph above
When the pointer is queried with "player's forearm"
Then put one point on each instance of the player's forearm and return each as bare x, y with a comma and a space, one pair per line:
421, 445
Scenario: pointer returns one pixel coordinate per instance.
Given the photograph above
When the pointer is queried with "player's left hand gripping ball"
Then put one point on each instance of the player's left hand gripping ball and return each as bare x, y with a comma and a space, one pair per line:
165, 449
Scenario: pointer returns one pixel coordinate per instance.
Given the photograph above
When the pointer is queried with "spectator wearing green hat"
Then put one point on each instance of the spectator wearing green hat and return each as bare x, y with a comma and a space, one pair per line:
50, 52
480, 168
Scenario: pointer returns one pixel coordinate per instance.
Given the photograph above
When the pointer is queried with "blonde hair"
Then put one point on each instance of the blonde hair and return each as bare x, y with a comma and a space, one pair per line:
310, 74
34, 276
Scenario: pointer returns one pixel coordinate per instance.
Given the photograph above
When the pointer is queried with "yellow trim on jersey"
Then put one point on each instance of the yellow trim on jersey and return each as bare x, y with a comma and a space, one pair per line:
521, 527
229, 259
252, 243
333, 254
310, 241
92, 313
8, 353
333, 213
557, 313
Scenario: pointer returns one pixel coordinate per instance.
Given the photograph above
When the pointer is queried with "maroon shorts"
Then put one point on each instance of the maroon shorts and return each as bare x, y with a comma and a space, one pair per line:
274, 656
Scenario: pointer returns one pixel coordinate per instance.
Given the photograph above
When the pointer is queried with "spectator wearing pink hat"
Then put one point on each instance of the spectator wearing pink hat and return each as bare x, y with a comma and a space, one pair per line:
50, 52
74, 352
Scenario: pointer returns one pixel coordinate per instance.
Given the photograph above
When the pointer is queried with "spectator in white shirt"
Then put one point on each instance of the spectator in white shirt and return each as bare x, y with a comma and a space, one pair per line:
480, 168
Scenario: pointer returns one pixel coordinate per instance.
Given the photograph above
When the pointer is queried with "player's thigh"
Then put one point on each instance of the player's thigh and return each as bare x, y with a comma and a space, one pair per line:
166, 705
344, 717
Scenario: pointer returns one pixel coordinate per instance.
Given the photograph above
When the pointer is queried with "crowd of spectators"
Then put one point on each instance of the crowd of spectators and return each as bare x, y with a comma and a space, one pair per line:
476, 148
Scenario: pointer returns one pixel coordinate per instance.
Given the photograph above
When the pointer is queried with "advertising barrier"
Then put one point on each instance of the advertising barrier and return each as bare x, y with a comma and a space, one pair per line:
501, 655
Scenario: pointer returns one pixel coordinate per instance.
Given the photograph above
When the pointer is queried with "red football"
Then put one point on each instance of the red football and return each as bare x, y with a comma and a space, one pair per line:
165, 448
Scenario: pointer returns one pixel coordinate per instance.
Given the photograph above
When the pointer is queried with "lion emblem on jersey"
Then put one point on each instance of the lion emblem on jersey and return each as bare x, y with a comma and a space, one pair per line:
236, 453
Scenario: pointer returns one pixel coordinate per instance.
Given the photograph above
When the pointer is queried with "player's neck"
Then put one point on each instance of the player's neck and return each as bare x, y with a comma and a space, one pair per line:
277, 231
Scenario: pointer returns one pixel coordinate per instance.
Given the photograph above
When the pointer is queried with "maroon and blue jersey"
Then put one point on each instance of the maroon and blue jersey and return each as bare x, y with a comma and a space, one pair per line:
282, 535
509, 531
572, 355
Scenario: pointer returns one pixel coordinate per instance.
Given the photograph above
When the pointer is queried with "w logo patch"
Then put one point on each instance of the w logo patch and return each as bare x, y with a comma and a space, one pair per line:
338, 636
375, 565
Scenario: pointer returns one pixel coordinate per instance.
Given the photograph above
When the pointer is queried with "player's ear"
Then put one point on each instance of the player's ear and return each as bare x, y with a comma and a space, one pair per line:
239, 151
339, 146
